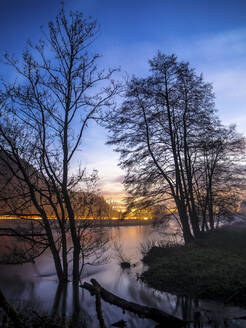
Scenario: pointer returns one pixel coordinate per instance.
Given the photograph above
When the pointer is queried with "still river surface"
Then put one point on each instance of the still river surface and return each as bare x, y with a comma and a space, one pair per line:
36, 285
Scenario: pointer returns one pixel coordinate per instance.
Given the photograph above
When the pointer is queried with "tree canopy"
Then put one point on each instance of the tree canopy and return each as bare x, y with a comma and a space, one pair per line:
44, 114
173, 145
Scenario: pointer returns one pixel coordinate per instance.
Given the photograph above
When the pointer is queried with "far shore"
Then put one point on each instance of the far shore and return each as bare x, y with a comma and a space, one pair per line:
7, 222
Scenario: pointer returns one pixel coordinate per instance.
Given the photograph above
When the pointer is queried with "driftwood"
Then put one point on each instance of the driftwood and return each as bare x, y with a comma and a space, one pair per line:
142, 311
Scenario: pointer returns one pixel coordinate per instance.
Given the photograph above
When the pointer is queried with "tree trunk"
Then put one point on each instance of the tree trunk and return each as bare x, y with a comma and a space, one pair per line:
184, 221
54, 250
210, 210
64, 252
195, 225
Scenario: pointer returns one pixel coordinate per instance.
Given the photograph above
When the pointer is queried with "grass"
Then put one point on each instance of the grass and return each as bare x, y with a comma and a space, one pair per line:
213, 268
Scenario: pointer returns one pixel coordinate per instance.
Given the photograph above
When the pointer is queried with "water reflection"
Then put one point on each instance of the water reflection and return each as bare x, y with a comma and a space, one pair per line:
36, 285
60, 302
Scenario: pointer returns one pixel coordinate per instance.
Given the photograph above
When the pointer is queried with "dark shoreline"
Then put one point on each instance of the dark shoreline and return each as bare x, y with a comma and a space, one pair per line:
214, 267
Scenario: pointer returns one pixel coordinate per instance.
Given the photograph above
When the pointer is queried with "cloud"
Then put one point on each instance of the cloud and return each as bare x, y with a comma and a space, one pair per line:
225, 45
115, 180
118, 195
214, 50
222, 59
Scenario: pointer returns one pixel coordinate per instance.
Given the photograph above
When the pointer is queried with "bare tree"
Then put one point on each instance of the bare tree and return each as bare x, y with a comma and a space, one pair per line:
158, 131
219, 177
44, 114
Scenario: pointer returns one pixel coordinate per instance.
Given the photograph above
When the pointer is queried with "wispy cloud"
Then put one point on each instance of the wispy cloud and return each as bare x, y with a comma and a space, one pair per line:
220, 57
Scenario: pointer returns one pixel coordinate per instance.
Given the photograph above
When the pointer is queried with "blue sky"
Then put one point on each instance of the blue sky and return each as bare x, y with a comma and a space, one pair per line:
211, 35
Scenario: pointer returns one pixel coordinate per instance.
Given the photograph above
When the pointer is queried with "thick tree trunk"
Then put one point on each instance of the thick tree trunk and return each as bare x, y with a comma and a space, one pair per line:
64, 253
76, 271
194, 224
204, 221
54, 251
186, 232
210, 210
188, 170
184, 221
76, 243
75, 239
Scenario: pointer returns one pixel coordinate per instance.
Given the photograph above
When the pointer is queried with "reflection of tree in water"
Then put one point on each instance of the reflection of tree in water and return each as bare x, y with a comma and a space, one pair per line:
60, 299
81, 308
192, 311
76, 307
17, 292
119, 275
60, 305
182, 307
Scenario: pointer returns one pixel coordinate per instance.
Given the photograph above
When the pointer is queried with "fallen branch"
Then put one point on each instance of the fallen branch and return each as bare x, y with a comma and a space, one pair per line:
142, 311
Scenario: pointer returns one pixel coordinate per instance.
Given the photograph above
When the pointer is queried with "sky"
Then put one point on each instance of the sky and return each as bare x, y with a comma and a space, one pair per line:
210, 34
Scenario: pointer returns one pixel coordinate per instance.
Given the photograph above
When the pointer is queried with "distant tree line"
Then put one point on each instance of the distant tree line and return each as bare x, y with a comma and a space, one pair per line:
15, 198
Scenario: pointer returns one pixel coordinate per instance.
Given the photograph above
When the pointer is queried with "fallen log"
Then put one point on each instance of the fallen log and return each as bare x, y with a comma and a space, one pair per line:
142, 311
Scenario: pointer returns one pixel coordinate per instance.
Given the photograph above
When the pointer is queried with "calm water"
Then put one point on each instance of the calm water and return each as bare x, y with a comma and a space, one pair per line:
35, 285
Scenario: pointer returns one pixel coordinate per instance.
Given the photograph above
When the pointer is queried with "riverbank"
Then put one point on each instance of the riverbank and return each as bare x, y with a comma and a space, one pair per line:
212, 268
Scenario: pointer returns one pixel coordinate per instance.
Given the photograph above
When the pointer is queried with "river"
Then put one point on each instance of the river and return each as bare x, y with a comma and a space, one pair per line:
35, 286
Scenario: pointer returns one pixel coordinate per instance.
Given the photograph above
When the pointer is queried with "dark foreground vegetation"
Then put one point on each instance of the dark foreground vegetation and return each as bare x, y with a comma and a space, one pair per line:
213, 267
38, 321
28, 318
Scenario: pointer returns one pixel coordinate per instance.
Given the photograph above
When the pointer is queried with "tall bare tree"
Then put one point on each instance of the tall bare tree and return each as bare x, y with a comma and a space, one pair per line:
219, 177
158, 131
44, 115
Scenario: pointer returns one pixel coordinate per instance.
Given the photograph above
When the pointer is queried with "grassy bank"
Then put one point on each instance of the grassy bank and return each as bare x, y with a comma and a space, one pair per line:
213, 268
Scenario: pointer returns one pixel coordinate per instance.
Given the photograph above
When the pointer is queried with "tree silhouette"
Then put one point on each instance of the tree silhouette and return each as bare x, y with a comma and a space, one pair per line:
161, 130
44, 114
